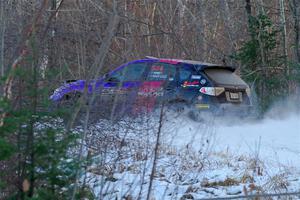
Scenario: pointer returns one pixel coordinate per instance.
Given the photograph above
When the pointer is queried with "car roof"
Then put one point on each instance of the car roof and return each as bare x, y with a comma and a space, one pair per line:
198, 64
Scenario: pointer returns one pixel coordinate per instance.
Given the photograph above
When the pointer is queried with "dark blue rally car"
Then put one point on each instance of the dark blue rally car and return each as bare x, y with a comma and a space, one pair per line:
141, 85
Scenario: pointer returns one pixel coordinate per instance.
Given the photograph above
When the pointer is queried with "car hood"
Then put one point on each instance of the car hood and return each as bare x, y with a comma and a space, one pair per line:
78, 85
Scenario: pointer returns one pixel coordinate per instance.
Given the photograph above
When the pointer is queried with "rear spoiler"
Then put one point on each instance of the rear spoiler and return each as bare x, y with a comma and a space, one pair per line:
199, 66
230, 68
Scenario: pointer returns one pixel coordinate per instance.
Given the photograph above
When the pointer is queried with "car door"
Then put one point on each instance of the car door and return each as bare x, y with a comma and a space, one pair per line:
121, 86
191, 81
160, 84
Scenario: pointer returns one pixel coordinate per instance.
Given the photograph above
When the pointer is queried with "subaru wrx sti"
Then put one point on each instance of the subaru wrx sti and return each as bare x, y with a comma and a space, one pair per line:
142, 85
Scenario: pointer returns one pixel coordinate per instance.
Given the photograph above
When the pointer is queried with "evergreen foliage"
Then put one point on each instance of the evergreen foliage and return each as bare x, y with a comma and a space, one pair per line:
35, 148
262, 66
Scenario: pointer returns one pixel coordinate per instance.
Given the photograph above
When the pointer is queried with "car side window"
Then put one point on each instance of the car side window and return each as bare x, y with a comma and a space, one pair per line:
161, 72
202, 79
187, 74
131, 72
184, 74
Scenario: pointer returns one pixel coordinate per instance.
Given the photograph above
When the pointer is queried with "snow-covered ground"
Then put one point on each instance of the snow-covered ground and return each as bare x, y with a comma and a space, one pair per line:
275, 139
272, 139
218, 158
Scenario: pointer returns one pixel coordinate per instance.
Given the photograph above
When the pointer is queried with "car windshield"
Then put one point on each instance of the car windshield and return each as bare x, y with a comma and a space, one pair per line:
224, 77
132, 72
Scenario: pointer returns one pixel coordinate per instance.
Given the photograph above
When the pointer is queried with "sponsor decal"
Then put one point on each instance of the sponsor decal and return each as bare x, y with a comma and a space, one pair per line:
190, 84
170, 61
159, 76
203, 81
198, 77
121, 91
156, 72
150, 94
202, 106
151, 89
157, 68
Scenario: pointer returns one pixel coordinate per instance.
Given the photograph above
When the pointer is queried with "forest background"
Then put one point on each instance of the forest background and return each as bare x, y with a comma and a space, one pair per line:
45, 42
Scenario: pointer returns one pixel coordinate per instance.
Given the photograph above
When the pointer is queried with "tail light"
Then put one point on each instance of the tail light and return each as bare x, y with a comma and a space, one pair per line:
212, 91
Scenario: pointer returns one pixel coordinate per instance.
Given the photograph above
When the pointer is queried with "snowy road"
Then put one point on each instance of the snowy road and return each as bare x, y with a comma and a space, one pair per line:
270, 139
277, 140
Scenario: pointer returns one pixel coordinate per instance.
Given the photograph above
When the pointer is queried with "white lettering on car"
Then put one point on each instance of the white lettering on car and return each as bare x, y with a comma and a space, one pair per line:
198, 77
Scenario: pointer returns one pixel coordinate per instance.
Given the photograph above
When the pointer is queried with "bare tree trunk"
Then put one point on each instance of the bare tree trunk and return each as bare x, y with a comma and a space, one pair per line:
31, 136
95, 72
156, 149
261, 6
284, 38
201, 53
173, 31
2, 34
295, 7
203, 30
7, 94
248, 8
51, 42
228, 26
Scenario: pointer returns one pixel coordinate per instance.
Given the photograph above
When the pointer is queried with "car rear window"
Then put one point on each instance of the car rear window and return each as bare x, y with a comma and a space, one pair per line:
224, 77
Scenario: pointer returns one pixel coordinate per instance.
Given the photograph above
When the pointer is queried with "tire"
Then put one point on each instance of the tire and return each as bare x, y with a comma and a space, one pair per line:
200, 115
177, 108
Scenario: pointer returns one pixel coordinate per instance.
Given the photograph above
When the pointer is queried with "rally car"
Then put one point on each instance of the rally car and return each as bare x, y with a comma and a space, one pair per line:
142, 85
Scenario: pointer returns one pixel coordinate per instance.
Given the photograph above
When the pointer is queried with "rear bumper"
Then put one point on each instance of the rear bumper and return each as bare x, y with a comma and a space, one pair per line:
241, 110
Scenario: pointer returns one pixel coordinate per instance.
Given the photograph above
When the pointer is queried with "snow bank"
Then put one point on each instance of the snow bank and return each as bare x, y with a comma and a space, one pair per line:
218, 158
273, 138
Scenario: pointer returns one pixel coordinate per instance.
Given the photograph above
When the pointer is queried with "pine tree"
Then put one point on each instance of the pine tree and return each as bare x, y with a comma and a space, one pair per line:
261, 65
33, 141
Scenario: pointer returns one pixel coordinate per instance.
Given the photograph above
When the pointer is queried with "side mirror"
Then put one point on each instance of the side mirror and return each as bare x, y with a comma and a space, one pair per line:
105, 76
112, 79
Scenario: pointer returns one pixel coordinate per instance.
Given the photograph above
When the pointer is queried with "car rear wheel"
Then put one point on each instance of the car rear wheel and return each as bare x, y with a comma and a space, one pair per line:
200, 116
